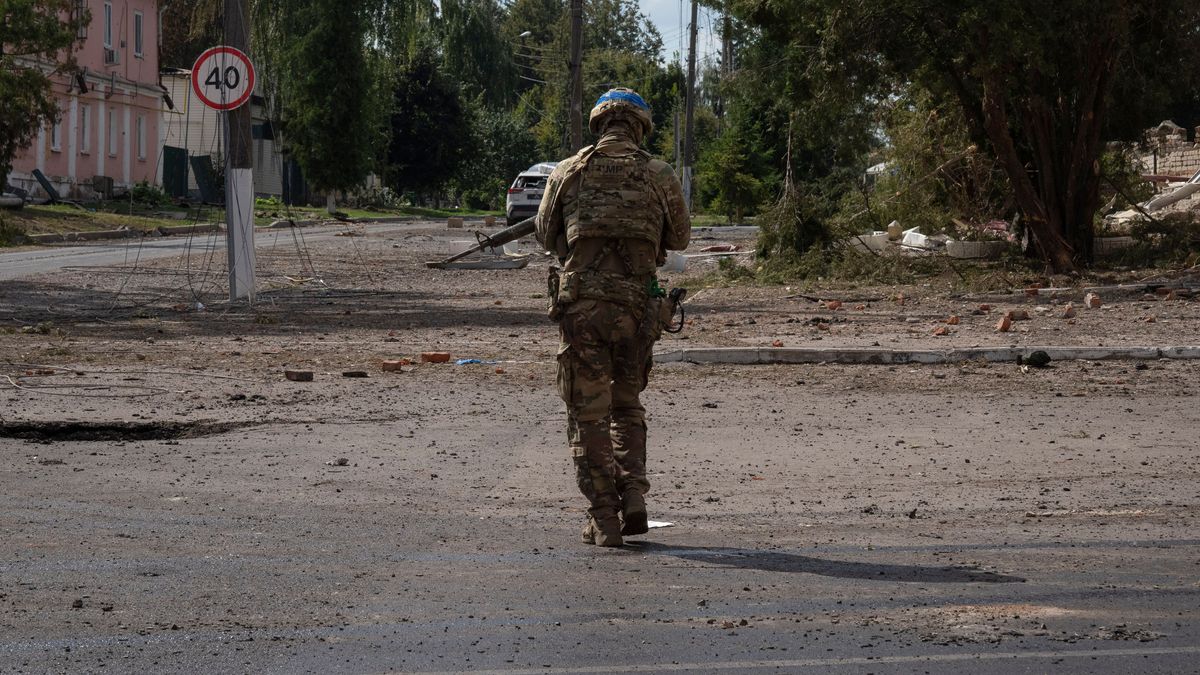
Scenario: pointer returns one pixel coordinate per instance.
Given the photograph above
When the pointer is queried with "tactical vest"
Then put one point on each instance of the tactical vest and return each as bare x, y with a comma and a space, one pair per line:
615, 200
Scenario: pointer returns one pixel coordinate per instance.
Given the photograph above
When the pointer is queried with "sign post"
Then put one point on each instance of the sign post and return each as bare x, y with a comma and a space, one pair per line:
223, 79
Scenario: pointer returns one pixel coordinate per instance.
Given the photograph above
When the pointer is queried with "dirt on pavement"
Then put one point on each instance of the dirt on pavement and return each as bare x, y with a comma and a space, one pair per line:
174, 503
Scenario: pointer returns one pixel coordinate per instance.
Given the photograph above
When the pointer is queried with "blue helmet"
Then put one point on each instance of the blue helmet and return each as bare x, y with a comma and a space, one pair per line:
621, 100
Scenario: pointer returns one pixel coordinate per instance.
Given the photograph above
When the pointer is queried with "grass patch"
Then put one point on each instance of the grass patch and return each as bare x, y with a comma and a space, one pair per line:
11, 232
61, 218
715, 220
115, 215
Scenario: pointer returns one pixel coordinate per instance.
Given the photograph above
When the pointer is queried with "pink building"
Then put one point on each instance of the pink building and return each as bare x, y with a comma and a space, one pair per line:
110, 111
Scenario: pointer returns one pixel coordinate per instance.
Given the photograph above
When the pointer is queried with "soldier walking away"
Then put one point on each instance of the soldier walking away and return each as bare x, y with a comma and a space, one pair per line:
610, 213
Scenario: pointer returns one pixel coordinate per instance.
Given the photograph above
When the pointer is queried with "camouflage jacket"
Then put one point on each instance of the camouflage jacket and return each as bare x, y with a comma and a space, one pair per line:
595, 253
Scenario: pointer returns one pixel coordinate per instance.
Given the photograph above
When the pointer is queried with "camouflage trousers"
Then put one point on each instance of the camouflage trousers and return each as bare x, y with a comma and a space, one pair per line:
602, 370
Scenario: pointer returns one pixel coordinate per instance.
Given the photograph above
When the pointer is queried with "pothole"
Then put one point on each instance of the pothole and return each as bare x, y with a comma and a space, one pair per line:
115, 431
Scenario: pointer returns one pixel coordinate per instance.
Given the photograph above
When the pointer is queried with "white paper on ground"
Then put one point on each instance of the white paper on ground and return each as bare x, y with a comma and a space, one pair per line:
658, 523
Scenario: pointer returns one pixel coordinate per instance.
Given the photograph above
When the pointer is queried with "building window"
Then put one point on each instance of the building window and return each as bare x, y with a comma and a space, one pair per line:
108, 43
81, 24
112, 132
56, 136
137, 34
141, 137
85, 129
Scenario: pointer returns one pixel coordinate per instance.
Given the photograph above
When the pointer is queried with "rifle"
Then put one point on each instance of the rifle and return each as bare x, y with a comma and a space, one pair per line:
513, 233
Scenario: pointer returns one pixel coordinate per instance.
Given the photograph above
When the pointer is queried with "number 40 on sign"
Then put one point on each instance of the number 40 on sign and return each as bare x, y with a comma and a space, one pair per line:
223, 78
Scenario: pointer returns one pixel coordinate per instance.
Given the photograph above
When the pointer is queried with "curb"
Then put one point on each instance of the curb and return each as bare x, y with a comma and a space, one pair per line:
873, 356
166, 231
283, 224
1063, 293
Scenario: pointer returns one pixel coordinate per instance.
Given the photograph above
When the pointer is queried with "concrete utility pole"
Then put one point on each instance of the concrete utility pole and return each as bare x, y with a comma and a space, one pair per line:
690, 109
576, 118
239, 172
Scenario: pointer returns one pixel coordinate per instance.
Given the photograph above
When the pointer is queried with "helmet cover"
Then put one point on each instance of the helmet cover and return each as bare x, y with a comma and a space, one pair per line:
621, 101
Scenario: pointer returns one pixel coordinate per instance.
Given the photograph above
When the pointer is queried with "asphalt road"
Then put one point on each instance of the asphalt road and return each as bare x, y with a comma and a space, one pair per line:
42, 260
169, 503
817, 529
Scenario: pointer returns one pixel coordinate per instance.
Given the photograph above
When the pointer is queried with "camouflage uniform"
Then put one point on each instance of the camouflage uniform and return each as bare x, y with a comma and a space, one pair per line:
610, 213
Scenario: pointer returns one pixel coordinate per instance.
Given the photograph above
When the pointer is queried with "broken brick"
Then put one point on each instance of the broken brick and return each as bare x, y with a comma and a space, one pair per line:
1092, 301
1005, 324
299, 375
435, 357
393, 366
953, 320
777, 343
1069, 312
985, 308
941, 330
833, 305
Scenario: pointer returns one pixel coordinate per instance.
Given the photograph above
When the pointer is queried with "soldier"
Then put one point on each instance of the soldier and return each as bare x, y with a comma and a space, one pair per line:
610, 213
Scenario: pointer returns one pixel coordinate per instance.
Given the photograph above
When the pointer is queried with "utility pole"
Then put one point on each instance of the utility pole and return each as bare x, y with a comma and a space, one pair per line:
239, 172
689, 110
726, 68
576, 64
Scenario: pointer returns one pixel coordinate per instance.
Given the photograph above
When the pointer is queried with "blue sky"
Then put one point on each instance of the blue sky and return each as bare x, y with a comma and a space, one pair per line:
665, 14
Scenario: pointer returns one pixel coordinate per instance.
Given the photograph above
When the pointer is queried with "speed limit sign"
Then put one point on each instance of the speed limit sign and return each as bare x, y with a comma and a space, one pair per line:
223, 78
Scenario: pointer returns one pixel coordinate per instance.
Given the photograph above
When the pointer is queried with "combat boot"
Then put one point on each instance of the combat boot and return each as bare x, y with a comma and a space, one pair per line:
633, 512
605, 532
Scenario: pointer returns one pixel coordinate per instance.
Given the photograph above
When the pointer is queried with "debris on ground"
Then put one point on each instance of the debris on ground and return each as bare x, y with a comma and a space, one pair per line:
299, 375
354, 373
435, 357
1037, 359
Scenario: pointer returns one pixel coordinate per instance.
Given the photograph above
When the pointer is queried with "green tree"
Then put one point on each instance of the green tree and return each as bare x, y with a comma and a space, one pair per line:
1035, 82
35, 47
317, 49
501, 147
430, 128
188, 28
475, 54
732, 175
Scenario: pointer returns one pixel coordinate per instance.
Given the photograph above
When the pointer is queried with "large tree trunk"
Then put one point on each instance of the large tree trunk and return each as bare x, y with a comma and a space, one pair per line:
1058, 188
1044, 220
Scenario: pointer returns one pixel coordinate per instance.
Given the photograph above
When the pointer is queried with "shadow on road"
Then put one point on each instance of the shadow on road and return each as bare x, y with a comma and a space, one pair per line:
775, 561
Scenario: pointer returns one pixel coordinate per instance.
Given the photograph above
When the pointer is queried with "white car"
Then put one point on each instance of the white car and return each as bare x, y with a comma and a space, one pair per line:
525, 195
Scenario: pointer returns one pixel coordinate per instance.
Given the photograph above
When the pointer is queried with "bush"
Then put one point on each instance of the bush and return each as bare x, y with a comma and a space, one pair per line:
1172, 240
150, 195
376, 198
791, 226
11, 234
